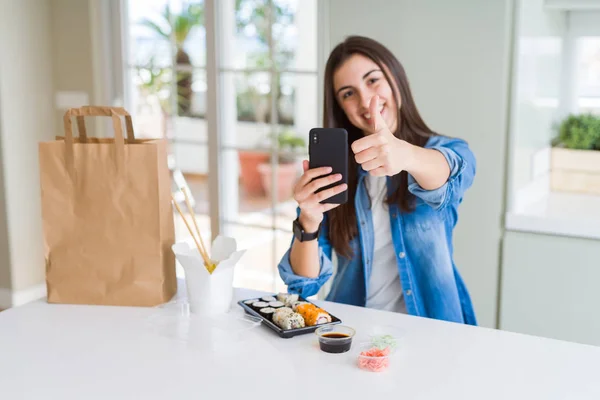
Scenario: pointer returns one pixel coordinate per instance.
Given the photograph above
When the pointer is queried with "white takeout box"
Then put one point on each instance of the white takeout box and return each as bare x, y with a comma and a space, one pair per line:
209, 294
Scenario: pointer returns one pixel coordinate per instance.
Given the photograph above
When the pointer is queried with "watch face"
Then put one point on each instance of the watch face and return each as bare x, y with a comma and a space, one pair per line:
297, 230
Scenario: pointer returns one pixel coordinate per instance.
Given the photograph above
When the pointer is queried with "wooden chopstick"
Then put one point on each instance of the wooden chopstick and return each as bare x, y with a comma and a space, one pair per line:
210, 266
191, 210
207, 262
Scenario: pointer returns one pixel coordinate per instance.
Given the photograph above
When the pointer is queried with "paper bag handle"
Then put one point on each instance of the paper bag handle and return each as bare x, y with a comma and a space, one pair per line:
114, 112
95, 111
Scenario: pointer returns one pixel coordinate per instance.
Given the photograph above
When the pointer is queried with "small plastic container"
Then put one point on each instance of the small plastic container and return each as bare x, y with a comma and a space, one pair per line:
374, 359
335, 338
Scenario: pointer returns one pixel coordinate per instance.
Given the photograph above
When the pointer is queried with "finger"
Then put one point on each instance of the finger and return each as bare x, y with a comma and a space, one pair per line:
326, 194
373, 111
367, 155
318, 184
311, 174
366, 142
377, 121
304, 165
314, 200
371, 165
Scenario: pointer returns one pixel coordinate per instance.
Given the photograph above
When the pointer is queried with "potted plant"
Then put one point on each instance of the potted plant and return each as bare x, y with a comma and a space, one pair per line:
251, 179
291, 147
575, 155
251, 107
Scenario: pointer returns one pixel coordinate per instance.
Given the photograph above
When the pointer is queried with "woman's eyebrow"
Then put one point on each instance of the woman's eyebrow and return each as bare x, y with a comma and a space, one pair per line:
364, 77
369, 73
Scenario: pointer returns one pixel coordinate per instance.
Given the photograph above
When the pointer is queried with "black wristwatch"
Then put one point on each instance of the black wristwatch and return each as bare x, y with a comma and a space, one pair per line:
303, 236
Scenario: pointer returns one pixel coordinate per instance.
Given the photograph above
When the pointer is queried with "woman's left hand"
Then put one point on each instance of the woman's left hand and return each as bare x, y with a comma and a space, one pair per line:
381, 153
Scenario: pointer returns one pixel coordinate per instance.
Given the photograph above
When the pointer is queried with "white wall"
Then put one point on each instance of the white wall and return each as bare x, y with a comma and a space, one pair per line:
71, 56
456, 54
5, 273
573, 4
26, 101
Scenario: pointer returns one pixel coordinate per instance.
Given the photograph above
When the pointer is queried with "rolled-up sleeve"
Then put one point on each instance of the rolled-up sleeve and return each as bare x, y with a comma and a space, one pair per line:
461, 161
302, 285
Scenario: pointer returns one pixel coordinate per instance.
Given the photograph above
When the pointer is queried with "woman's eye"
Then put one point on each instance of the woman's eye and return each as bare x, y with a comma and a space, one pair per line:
347, 94
373, 80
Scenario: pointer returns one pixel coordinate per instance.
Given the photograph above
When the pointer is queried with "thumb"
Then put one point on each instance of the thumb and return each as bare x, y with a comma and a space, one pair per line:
377, 121
305, 165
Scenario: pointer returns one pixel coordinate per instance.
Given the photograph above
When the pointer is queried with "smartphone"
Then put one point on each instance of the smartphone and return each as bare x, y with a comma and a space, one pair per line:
328, 147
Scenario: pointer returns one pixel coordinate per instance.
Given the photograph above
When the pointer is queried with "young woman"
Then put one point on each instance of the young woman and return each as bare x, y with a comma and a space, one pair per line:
393, 239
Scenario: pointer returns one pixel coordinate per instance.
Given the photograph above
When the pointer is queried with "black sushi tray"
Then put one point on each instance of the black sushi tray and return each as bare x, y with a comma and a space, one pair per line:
287, 333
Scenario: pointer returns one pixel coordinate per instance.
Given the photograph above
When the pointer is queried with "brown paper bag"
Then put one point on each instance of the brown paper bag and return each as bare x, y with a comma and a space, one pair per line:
107, 216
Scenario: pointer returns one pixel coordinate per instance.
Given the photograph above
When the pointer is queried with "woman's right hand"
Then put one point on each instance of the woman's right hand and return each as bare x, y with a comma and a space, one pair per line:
311, 210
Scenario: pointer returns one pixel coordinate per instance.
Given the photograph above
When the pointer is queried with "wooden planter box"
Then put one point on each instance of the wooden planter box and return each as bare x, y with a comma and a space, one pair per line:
575, 171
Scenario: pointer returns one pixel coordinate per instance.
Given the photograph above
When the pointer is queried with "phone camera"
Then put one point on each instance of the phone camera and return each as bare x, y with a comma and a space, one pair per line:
315, 139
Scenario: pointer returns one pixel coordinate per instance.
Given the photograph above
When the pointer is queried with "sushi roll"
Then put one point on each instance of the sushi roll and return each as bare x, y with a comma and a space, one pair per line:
267, 312
286, 319
295, 304
284, 310
280, 313
287, 298
276, 304
268, 299
259, 304
250, 302
313, 315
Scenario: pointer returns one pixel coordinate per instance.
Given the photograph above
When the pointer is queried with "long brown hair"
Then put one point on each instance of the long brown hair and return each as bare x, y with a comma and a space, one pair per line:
411, 128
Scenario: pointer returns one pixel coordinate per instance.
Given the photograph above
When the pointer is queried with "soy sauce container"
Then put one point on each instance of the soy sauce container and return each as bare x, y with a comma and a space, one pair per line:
335, 338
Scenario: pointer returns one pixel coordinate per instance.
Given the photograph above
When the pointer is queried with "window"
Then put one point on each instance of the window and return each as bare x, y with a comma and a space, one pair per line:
587, 77
267, 71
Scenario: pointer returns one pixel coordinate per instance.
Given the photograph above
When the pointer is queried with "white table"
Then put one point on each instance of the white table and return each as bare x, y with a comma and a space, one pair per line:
88, 352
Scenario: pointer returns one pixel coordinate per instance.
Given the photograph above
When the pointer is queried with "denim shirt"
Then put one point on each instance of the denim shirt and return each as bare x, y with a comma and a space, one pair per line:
422, 239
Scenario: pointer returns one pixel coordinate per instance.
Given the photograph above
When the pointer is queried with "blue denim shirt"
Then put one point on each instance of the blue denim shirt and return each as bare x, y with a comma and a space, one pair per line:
431, 284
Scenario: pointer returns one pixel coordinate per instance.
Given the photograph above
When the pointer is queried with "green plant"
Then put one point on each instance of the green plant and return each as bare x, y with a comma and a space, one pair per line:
289, 146
179, 25
289, 140
579, 132
252, 21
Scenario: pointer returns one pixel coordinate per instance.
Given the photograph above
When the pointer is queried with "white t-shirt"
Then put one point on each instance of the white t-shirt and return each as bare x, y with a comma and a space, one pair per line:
384, 290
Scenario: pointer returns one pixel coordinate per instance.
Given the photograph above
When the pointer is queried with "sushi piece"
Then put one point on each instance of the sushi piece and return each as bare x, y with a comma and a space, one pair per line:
260, 304
286, 319
276, 304
295, 304
250, 302
267, 312
313, 315
287, 298
284, 310
268, 299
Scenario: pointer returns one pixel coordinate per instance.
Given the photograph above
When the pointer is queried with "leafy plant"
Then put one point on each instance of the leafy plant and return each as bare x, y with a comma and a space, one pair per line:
252, 20
288, 140
579, 132
180, 26
289, 146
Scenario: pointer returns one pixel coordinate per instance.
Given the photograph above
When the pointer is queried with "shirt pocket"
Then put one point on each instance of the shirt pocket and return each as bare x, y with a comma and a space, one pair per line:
423, 217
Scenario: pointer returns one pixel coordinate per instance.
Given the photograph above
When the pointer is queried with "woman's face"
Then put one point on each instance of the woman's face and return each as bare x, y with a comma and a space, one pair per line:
355, 82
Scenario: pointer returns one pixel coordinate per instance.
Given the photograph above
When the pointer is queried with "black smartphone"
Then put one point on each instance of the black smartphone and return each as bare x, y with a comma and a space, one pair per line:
328, 147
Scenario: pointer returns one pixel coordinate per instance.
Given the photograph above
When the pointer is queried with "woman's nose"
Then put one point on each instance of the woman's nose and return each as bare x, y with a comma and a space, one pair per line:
365, 100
